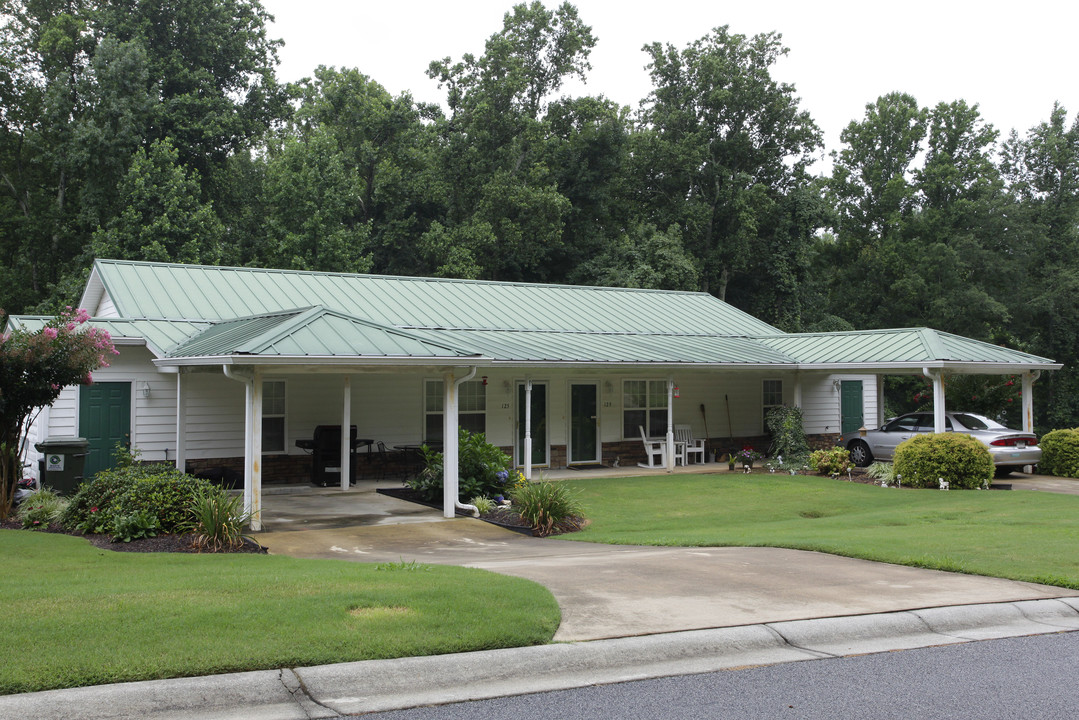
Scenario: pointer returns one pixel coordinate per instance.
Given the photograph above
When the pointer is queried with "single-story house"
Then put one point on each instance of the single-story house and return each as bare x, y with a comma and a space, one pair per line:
224, 367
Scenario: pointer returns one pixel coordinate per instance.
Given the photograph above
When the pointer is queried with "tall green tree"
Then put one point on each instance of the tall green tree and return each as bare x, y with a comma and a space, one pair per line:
491, 145
386, 149
163, 217
722, 146
1041, 170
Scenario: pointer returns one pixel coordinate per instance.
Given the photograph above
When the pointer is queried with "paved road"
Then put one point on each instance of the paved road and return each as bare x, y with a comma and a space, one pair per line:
1029, 677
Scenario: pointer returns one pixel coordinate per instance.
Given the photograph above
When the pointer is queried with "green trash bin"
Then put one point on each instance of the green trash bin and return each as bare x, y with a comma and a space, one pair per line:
62, 466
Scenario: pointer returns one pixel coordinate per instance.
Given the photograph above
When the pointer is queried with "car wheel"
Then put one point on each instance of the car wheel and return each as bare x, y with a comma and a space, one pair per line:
859, 453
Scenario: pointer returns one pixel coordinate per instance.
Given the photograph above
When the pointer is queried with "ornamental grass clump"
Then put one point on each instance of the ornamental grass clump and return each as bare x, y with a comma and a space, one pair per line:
544, 505
217, 520
956, 458
40, 510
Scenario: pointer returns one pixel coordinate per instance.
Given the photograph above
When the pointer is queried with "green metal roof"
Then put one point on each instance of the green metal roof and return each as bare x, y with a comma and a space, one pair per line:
610, 348
159, 335
907, 345
195, 292
197, 313
309, 332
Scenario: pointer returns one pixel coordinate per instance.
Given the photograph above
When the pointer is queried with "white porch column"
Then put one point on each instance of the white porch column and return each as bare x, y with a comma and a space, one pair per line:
249, 424
346, 434
254, 461
528, 430
670, 425
1028, 399
450, 445
181, 422
880, 401
797, 389
937, 376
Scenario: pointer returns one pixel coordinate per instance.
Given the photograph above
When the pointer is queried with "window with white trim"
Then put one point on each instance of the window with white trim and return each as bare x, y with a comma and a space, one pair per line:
771, 397
273, 416
644, 404
471, 408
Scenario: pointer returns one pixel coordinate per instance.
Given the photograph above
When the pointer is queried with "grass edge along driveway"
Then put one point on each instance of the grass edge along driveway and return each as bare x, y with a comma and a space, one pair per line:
1020, 535
77, 615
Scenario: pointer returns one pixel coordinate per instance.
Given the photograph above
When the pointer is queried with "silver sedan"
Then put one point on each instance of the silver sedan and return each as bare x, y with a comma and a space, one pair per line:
1011, 449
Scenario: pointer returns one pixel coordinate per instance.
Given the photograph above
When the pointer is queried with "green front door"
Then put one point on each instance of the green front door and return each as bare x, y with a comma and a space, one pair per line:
850, 405
104, 420
583, 427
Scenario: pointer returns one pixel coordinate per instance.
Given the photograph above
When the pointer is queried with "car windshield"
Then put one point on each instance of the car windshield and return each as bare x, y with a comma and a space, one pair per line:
977, 422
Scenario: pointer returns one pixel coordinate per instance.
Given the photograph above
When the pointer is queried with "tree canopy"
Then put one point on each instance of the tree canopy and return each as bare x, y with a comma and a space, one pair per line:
156, 130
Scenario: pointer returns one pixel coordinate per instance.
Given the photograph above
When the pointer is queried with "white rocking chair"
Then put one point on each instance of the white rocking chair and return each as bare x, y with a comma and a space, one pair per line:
655, 451
684, 434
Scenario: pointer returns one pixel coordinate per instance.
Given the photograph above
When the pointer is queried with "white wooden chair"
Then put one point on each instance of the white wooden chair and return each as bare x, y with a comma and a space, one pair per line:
655, 451
684, 434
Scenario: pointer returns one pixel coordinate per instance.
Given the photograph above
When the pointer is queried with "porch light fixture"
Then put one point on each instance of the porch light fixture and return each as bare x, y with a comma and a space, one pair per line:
608, 386
506, 386
144, 388
485, 381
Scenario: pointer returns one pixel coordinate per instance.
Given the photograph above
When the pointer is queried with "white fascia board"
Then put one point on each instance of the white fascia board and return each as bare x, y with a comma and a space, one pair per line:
327, 361
989, 368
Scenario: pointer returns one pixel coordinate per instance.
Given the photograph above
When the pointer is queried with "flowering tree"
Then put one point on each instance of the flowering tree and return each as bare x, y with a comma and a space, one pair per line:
34, 368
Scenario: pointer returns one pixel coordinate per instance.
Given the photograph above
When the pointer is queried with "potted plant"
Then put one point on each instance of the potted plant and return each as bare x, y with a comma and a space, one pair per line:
747, 455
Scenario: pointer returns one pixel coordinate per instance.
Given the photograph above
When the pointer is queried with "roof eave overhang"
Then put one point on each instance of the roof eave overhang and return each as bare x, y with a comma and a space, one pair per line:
974, 368
330, 361
485, 361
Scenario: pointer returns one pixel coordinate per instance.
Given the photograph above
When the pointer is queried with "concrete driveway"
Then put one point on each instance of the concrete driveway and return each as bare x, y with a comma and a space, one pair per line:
608, 591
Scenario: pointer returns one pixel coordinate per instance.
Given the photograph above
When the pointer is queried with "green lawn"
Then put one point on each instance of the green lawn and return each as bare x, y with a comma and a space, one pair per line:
1022, 535
77, 615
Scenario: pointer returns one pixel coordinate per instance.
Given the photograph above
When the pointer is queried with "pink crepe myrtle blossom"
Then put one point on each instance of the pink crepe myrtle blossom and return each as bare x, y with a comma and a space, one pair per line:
51, 333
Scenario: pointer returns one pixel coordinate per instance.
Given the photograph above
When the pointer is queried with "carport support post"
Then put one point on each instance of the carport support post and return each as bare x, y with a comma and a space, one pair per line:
670, 425
528, 430
450, 448
181, 422
937, 376
1028, 400
255, 459
346, 433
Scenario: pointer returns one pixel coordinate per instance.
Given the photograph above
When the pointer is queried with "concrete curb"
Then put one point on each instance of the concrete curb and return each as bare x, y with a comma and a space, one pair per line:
375, 685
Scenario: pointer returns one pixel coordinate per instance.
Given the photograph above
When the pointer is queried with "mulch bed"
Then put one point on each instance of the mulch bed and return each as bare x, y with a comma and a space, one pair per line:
502, 516
162, 543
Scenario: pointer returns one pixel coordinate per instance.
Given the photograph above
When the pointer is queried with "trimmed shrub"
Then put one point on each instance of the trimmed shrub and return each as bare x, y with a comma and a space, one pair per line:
959, 459
835, 461
160, 490
545, 504
482, 470
1060, 453
166, 494
137, 525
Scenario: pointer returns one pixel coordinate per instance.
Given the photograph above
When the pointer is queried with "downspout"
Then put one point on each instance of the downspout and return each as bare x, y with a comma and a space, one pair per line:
450, 454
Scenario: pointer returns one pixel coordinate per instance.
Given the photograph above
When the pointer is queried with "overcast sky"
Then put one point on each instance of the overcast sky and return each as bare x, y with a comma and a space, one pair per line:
1014, 59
